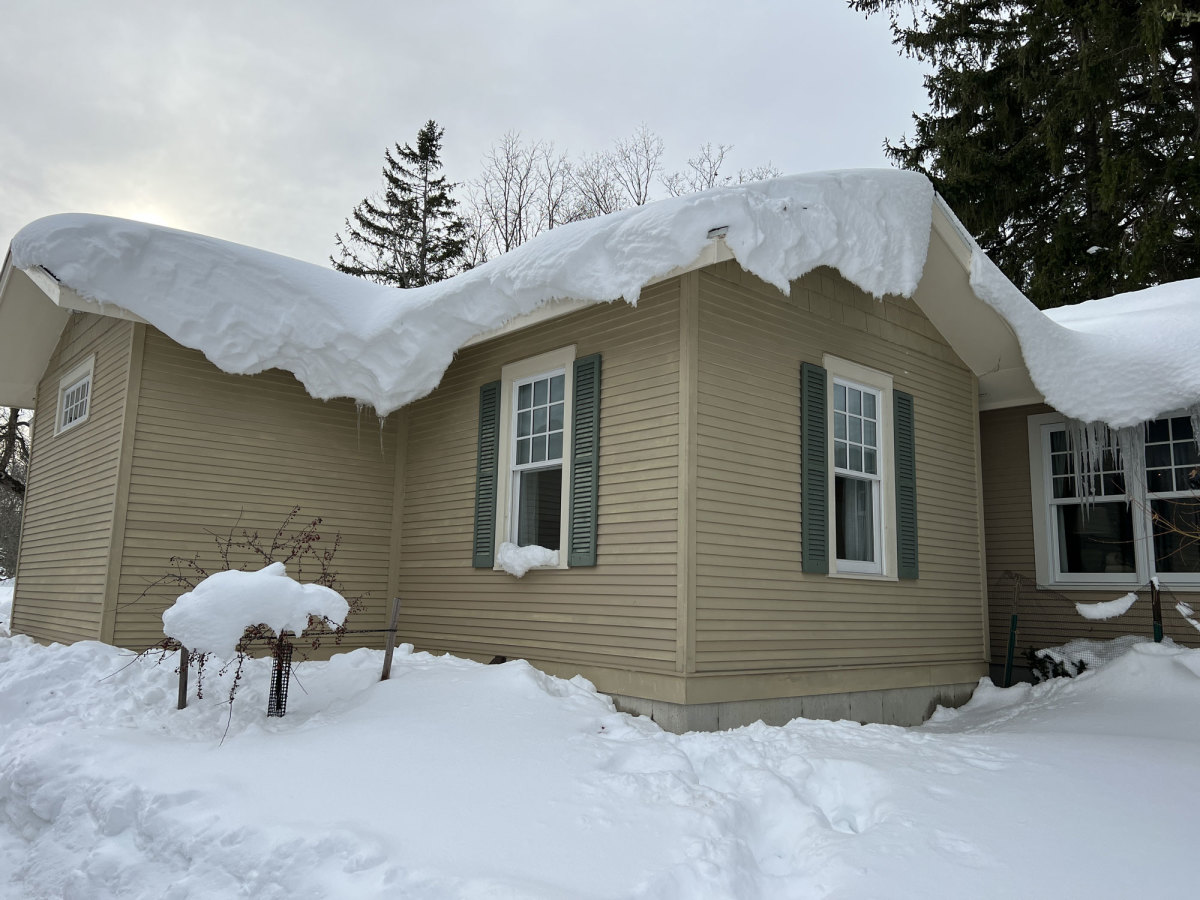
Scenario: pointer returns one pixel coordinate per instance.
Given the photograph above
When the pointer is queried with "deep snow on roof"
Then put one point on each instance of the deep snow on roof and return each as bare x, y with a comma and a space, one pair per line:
249, 310
1119, 361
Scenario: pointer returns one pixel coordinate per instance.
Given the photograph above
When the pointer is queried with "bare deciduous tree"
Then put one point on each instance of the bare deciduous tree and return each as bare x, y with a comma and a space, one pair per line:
14, 462
635, 162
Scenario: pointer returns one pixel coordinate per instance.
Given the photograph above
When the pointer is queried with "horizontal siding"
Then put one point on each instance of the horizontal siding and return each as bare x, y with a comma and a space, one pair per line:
215, 453
620, 613
755, 610
72, 489
1045, 618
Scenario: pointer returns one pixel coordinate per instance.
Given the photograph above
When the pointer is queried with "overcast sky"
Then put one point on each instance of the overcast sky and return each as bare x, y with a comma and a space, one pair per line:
265, 122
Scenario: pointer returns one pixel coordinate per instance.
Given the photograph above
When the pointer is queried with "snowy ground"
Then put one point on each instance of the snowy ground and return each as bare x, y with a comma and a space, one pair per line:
456, 780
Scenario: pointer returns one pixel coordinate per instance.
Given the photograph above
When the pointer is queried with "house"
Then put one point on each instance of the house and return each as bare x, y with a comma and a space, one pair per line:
735, 445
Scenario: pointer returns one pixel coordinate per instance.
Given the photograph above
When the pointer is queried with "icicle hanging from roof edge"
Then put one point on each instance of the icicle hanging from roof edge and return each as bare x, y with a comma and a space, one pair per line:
1089, 441
1194, 413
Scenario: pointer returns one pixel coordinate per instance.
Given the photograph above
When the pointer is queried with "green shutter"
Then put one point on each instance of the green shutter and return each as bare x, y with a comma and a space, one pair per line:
485, 476
906, 486
585, 460
814, 471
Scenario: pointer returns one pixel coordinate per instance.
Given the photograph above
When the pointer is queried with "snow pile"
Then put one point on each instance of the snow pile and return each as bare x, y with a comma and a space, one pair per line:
341, 336
455, 779
6, 595
1121, 360
1108, 609
212, 617
518, 560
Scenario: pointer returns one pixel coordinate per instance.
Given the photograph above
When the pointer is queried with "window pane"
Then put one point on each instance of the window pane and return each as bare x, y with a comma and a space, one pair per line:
554, 446
1095, 540
839, 454
1158, 480
538, 452
869, 406
1158, 430
1064, 487
524, 396
541, 389
539, 420
1060, 464
869, 434
522, 452
556, 389
1058, 441
1187, 479
854, 528
1176, 535
1158, 455
839, 397
1181, 429
556, 417
854, 401
539, 498
856, 430
855, 459
523, 424
839, 426
1184, 453
869, 462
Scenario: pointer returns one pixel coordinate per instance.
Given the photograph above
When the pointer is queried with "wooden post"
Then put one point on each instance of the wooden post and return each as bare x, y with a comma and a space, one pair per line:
1156, 610
390, 646
184, 659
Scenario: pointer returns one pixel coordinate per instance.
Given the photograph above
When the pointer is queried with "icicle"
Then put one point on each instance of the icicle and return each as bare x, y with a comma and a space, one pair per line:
1131, 452
1090, 441
1194, 413
382, 423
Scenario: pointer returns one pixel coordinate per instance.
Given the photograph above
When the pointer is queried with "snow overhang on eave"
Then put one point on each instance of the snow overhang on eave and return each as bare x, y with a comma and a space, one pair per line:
715, 251
34, 308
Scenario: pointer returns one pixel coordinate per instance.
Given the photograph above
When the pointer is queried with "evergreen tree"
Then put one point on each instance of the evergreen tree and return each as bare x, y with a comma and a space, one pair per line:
1064, 133
410, 235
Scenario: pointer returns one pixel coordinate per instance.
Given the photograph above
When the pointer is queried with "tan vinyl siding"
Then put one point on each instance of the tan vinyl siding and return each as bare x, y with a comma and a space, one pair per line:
620, 613
72, 489
214, 452
1045, 617
756, 611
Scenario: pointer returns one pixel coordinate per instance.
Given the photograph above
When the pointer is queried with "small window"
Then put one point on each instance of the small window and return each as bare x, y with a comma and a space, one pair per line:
75, 396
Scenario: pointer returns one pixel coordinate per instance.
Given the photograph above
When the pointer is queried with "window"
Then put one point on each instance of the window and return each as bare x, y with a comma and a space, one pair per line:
1119, 532
537, 460
856, 477
858, 473
74, 396
537, 470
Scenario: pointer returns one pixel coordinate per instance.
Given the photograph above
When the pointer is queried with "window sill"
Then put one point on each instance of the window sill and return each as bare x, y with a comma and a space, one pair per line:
1114, 585
863, 576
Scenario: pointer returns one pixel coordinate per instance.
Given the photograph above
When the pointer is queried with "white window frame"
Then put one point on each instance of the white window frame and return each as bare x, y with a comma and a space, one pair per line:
511, 377
1045, 536
884, 566
80, 374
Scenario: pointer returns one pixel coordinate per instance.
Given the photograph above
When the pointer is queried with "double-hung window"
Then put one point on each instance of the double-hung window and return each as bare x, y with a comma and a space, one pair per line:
1110, 529
537, 469
858, 488
538, 410
857, 477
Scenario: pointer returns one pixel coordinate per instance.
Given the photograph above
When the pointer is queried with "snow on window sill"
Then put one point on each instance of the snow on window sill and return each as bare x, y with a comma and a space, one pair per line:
516, 561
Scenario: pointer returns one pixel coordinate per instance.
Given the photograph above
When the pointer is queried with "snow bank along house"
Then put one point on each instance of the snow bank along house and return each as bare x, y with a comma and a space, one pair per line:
780, 443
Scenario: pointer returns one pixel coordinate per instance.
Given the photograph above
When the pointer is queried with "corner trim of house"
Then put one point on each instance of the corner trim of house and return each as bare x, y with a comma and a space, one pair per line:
116, 539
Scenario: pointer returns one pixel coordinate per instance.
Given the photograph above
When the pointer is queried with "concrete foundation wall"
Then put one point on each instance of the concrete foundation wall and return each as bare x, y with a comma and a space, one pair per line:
899, 706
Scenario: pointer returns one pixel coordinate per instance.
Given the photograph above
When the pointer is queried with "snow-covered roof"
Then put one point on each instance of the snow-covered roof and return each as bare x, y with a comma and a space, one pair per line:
249, 310
1119, 360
